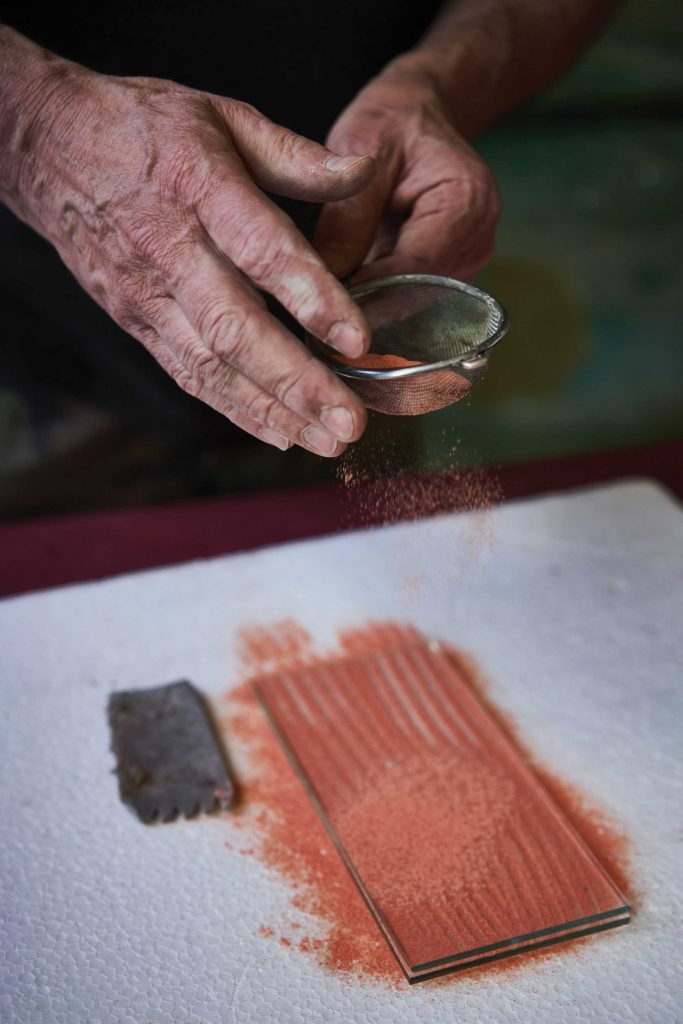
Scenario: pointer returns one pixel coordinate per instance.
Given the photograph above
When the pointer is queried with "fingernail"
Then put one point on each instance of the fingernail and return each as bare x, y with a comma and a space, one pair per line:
342, 163
319, 439
272, 437
346, 338
338, 420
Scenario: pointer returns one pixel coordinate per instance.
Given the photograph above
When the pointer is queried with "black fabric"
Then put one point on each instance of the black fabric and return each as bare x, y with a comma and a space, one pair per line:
299, 61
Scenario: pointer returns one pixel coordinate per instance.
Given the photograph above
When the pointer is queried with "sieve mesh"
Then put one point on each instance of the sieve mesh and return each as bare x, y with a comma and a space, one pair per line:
443, 325
427, 322
414, 395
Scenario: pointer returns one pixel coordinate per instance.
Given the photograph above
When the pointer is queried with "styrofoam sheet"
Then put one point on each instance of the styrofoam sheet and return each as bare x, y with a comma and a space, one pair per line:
572, 605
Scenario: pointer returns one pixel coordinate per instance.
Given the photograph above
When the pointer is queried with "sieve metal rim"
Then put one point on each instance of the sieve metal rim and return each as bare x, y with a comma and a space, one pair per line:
378, 283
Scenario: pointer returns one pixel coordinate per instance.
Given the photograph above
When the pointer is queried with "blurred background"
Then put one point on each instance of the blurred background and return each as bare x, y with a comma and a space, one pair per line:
589, 264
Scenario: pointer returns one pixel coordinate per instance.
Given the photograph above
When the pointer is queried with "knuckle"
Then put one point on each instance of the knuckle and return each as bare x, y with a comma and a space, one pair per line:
141, 297
254, 250
126, 283
293, 146
154, 305
196, 372
184, 169
292, 388
173, 254
311, 296
125, 312
259, 248
261, 409
241, 116
127, 319
134, 324
224, 327
144, 235
166, 358
158, 241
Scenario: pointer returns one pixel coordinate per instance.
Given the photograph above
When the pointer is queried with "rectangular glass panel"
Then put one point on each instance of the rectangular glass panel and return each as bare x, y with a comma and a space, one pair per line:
460, 853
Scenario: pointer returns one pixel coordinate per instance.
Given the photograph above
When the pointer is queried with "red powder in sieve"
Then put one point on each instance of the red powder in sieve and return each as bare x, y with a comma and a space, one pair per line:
375, 361
286, 833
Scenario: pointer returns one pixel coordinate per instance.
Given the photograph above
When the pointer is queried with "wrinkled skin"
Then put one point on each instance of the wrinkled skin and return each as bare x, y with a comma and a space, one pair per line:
153, 194
432, 206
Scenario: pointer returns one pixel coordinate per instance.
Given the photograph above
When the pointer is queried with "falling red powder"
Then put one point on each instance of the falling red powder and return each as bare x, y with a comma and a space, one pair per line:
376, 498
285, 832
376, 491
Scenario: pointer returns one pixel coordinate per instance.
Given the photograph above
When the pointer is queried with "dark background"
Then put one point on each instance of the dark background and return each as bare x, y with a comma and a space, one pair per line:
588, 264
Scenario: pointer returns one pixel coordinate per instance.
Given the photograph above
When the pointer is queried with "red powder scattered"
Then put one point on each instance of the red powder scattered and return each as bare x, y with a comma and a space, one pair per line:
265, 649
310, 945
375, 361
290, 839
287, 835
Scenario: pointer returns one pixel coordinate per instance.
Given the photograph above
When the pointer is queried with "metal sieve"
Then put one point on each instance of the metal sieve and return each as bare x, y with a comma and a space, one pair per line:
444, 326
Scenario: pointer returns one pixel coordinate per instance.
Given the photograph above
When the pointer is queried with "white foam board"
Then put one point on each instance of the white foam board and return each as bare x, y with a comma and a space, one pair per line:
573, 607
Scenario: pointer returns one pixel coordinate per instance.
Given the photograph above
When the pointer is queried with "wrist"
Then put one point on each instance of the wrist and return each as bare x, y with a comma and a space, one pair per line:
33, 86
442, 76
403, 93
410, 74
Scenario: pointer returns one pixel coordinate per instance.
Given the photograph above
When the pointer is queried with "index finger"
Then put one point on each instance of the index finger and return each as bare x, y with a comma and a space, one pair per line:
263, 242
238, 329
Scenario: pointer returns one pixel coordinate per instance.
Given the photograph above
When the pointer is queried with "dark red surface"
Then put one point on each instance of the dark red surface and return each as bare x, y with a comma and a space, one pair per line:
68, 549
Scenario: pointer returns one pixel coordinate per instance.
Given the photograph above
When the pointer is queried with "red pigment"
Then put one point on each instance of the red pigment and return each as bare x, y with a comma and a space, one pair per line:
451, 838
290, 837
599, 829
262, 649
291, 840
375, 361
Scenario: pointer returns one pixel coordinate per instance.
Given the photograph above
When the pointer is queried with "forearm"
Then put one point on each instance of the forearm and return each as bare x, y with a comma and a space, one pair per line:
486, 56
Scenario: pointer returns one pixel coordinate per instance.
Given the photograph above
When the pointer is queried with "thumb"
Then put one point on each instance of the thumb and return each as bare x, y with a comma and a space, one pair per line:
347, 229
287, 164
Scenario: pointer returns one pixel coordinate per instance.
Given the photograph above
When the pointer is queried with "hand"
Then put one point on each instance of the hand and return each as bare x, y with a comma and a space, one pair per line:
432, 206
152, 194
